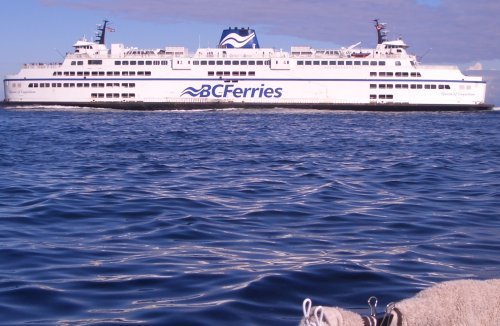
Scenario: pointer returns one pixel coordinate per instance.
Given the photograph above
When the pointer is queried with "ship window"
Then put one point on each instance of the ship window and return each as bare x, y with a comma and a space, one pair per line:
381, 74
251, 73
140, 63
86, 85
196, 62
427, 86
131, 95
300, 63
433, 86
203, 63
357, 63
165, 63
365, 63
243, 63
133, 63
101, 73
211, 62
418, 74
79, 85
79, 73
405, 86
389, 74
398, 74
340, 63
373, 74
100, 95
101, 84
116, 95
236, 73
73, 63
373, 63
124, 73
398, 86
109, 73
125, 95
95, 62
316, 63
405, 74
86, 73
211, 73
109, 95
447, 87
349, 63
390, 85
382, 96
219, 73
149, 63
333, 63
227, 73
441, 86
156, 62
324, 63
72, 73
65, 85
66, 73
140, 73
93, 95
80, 63
118, 63
54, 73
382, 86
413, 86
131, 73
42, 85
260, 63
389, 97
373, 85
236, 62
398, 63
413, 74
109, 85
373, 96
381, 63
251, 63
53, 85
147, 73
243, 73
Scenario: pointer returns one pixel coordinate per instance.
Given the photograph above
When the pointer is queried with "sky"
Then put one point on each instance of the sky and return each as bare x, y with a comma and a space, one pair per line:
458, 32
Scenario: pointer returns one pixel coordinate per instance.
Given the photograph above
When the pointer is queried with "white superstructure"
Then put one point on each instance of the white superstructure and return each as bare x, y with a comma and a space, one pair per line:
239, 73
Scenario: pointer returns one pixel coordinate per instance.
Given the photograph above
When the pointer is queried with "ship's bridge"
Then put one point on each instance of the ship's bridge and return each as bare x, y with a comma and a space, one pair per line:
91, 48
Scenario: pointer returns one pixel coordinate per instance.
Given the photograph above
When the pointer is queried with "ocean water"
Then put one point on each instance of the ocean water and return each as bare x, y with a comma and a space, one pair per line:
234, 217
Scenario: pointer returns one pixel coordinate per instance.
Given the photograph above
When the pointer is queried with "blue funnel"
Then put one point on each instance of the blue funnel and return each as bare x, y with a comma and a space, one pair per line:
239, 38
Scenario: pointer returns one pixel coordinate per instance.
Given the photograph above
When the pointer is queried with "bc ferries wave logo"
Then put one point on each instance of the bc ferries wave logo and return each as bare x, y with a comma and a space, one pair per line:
236, 41
225, 91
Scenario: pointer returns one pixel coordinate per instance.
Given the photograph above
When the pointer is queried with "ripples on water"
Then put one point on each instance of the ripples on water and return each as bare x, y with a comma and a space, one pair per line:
234, 217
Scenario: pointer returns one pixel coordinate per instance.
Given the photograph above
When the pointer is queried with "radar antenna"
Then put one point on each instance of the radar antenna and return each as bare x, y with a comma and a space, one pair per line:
381, 32
101, 32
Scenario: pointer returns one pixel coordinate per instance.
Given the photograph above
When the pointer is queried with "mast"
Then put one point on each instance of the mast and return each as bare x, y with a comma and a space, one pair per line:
101, 32
381, 32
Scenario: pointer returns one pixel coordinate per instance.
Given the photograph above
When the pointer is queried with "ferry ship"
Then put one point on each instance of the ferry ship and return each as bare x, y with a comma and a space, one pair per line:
240, 73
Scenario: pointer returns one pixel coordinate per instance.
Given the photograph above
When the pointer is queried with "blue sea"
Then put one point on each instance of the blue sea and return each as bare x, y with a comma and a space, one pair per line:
234, 217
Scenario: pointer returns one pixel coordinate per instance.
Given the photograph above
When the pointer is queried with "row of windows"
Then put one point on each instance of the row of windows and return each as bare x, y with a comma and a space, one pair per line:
47, 85
112, 95
382, 96
395, 74
90, 62
340, 63
411, 86
228, 73
231, 62
101, 73
141, 62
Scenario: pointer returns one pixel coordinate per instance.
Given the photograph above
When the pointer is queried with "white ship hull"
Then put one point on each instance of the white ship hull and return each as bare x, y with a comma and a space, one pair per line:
386, 78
